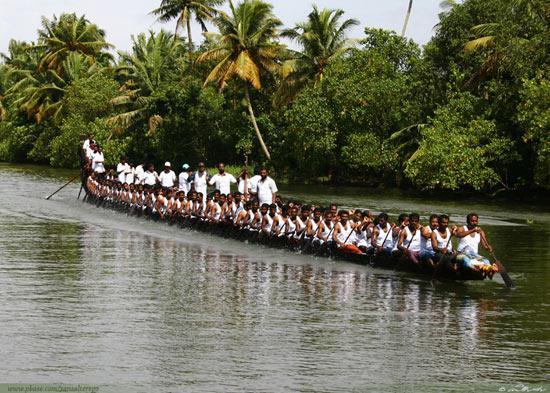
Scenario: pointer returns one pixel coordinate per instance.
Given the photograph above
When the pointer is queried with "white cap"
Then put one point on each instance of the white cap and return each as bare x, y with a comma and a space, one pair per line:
167, 163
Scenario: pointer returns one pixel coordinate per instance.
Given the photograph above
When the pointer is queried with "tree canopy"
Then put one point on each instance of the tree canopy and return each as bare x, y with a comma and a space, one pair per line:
468, 111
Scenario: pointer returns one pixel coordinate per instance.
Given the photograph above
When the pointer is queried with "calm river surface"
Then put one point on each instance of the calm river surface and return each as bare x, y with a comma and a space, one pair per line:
92, 296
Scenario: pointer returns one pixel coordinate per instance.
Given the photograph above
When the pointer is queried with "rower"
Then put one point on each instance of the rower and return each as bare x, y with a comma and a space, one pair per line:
293, 224
364, 232
409, 238
426, 251
312, 225
267, 219
441, 241
469, 237
382, 240
324, 231
222, 180
279, 222
342, 230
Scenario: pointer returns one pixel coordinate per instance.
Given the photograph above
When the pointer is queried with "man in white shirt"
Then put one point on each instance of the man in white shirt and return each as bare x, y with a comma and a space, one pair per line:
254, 181
266, 188
183, 179
167, 177
122, 169
200, 180
130, 174
139, 173
222, 180
98, 160
150, 177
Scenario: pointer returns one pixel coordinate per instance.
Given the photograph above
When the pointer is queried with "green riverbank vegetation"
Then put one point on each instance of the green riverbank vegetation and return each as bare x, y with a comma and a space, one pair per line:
468, 111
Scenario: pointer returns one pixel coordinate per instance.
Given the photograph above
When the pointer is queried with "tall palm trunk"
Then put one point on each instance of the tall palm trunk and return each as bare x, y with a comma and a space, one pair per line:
190, 43
253, 119
407, 18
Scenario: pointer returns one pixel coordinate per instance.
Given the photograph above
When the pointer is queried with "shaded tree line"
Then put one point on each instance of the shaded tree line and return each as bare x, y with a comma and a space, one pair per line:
470, 110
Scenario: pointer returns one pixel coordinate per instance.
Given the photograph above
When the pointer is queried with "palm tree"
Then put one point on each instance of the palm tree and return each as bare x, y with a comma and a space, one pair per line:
245, 50
41, 94
69, 33
407, 16
204, 10
152, 60
322, 38
491, 37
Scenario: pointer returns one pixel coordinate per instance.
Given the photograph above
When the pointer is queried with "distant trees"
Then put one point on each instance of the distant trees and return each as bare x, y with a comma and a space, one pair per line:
470, 111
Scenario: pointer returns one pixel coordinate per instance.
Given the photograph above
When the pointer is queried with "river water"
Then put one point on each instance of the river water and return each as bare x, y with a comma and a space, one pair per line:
92, 296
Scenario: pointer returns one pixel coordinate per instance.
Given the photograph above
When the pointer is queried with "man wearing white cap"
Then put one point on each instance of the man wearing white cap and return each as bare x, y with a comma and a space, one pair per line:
167, 177
183, 179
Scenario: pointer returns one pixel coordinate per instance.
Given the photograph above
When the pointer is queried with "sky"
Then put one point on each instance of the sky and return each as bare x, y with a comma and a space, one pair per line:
20, 19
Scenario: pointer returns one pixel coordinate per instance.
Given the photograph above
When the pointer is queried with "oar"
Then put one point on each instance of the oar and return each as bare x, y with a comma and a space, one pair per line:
503, 273
386, 238
330, 232
347, 238
63, 186
501, 269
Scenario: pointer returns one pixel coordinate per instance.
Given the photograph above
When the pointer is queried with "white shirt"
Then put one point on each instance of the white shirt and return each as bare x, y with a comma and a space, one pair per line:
241, 185
265, 189
183, 184
167, 179
253, 183
89, 153
130, 175
86, 144
150, 178
200, 182
97, 162
139, 174
223, 182
122, 169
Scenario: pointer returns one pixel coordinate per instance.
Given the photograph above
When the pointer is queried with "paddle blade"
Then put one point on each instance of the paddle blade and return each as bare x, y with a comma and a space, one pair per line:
504, 274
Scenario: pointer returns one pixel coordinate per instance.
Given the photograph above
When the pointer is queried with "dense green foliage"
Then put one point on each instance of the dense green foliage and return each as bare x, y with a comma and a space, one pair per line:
468, 111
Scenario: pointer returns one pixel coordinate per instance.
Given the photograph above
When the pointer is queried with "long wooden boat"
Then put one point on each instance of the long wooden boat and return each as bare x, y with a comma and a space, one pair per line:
395, 261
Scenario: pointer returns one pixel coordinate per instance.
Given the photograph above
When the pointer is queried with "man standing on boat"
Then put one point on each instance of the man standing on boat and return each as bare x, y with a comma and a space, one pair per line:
167, 177
266, 189
222, 181
183, 179
150, 176
200, 180
122, 169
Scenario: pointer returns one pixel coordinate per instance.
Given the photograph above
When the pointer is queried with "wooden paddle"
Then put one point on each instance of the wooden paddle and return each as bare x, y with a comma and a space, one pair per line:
347, 238
501, 269
387, 234
63, 186
503, 273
